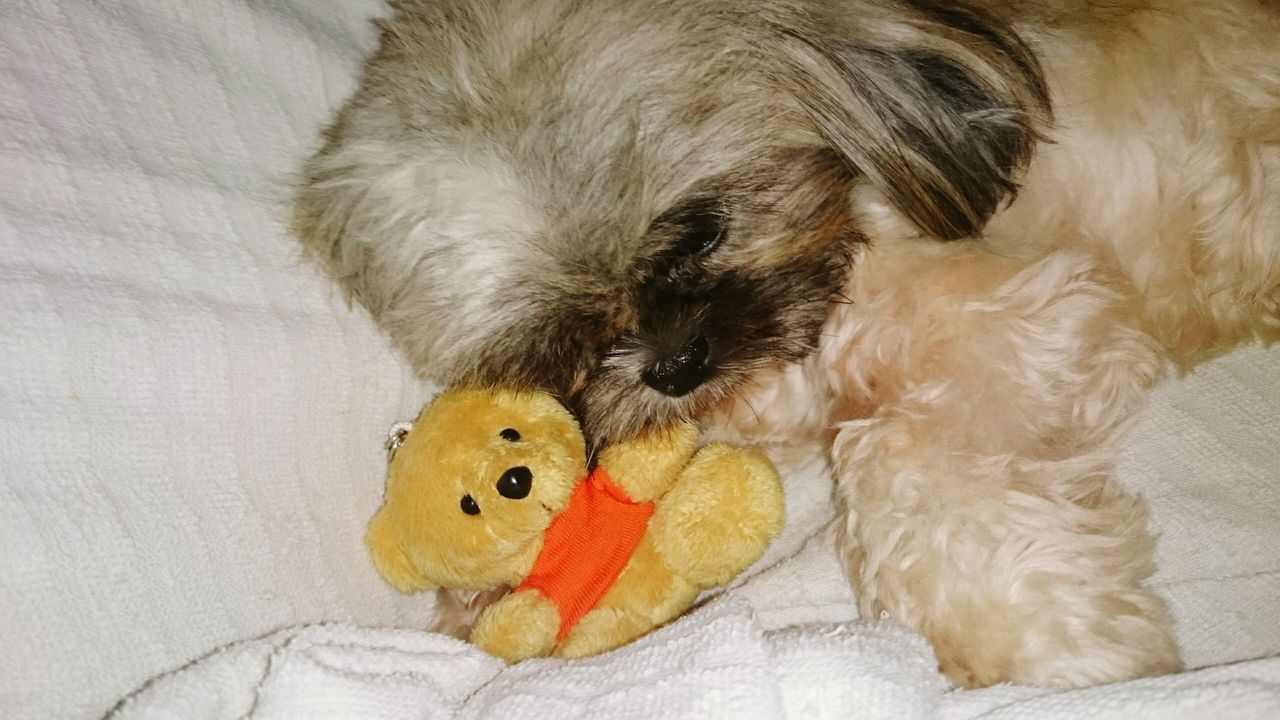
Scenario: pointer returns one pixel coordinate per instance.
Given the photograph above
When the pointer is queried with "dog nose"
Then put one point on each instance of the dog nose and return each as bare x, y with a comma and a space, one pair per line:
682, 371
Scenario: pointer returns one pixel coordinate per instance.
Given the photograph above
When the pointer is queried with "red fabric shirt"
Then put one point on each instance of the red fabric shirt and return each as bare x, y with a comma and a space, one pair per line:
587, 546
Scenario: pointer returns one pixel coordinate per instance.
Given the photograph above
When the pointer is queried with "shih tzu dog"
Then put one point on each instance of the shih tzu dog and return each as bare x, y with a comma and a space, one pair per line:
796, 222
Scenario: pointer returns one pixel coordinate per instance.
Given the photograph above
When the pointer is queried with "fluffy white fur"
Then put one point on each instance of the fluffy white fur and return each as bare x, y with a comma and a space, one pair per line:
980, 390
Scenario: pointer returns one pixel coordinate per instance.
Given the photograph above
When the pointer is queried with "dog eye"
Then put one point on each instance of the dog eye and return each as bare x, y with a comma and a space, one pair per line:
510, 435
697, 226
469, 505
703, 231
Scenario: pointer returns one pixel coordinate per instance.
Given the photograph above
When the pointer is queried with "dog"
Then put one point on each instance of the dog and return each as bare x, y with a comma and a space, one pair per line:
950, 244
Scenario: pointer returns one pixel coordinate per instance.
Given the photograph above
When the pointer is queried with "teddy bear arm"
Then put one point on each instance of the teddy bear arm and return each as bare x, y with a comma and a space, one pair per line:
721, 515
522, 625
648, 464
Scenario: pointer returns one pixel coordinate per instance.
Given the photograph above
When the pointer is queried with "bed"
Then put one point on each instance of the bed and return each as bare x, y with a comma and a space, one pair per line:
191, 424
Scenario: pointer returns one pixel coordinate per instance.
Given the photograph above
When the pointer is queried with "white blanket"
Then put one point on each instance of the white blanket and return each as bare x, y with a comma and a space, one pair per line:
190, 426
716, 662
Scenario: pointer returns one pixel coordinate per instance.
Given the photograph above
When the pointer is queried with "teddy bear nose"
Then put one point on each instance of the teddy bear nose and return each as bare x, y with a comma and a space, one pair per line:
515, 483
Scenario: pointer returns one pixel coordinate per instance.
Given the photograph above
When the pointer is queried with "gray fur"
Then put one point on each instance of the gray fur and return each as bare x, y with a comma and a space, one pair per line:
495, 191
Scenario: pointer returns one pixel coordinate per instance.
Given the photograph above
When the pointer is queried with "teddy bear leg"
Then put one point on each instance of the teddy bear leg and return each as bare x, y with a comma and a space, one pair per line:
720, 515
521, 625
601, 630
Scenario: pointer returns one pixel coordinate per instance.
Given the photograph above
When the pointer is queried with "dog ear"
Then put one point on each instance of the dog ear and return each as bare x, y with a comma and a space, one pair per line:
342, 194
939, 112
389, 557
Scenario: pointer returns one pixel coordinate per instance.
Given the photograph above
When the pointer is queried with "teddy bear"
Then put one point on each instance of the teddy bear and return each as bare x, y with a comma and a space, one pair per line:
491, 487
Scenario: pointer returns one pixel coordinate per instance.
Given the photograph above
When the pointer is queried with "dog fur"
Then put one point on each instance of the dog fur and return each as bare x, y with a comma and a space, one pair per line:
952, 245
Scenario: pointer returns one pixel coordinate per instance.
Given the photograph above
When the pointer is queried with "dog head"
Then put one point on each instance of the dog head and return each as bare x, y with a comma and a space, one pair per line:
637, 205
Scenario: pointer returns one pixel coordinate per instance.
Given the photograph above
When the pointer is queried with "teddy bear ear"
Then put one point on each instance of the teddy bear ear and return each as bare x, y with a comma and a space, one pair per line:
389, 557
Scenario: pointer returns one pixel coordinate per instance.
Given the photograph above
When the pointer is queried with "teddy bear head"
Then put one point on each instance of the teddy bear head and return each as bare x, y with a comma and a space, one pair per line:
471, 488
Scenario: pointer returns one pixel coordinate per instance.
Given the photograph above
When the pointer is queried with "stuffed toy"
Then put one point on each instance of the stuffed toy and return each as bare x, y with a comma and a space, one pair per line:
491, 487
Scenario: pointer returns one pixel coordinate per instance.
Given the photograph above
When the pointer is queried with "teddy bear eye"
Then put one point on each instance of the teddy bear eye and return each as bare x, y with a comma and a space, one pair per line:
469, 505
510, 434
515, 483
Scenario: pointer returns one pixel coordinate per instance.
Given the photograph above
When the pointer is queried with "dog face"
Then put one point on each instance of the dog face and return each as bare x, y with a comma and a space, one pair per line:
637, 205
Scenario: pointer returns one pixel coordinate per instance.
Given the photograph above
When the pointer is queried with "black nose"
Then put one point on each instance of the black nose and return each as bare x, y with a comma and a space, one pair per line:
682, 371
515, 483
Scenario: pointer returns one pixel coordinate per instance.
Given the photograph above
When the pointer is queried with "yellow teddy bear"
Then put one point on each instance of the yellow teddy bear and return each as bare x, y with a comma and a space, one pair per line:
490, 487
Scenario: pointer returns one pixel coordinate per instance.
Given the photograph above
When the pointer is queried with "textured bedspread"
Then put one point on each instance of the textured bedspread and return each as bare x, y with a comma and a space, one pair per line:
191, 424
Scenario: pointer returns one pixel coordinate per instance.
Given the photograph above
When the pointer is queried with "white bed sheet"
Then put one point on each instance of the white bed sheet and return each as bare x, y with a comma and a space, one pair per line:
190, 418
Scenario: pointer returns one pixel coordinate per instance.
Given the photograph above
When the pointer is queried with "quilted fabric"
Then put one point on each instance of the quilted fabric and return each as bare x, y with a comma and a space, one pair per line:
190, 419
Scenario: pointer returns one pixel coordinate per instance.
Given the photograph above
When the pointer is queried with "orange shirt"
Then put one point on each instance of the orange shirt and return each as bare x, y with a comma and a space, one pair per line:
587, 546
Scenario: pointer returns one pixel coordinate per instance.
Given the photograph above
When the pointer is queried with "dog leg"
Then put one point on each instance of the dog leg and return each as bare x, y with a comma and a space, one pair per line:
1016, 569
978, 501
